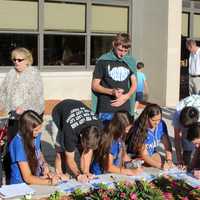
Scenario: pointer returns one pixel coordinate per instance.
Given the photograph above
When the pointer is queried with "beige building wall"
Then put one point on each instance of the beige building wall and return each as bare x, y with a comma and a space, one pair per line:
156, 42
62, 85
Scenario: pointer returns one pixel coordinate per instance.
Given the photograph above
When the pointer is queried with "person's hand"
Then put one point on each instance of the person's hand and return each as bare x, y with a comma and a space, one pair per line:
196, 173
63, 177
181, 166
170, 163
119, 101
19, 110
166, 166
118, 92
82, 178
46, 170
89, 175
54, 180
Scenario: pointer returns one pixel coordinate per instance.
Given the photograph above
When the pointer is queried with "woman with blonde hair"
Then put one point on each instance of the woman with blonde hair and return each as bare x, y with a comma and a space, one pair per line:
22, 88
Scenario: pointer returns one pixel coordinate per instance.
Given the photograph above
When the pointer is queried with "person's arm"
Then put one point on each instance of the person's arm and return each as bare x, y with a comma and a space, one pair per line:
154, 160
178, 145
86, 159
111, 168
31, 179
46, 171
168, 147
146, 87
124, 97
126, 157
97, 87
150, 160
71, 163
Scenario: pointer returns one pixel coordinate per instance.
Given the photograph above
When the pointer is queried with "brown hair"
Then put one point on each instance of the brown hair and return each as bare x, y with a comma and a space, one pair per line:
27, 122
115, 130
139, 131
122, 39
90, 137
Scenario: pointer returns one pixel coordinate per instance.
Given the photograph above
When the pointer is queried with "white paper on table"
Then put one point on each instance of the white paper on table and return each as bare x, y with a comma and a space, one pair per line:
14, 190
94, 183
188, 179
183, 175
69, 186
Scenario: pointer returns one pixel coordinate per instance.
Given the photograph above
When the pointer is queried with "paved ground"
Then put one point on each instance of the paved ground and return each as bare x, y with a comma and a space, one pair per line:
47, 145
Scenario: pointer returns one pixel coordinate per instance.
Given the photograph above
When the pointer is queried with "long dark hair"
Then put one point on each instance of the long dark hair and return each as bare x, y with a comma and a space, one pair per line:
139, 131
27, 122
113, 131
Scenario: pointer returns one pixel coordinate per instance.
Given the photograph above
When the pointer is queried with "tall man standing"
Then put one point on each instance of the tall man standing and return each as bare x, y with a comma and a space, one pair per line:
114, 79
194, 67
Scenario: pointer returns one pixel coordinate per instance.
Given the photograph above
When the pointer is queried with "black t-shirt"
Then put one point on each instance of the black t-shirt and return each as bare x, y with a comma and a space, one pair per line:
113, 74
71, 116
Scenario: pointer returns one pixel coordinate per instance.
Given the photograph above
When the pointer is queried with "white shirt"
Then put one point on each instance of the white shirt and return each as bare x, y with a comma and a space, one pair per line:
194, 101
194, 63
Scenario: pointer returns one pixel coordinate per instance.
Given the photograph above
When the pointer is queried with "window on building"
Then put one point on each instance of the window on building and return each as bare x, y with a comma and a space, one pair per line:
109, 19
100, 45
64, 50
10, 41
16, 15
196, 25
185, 24
64, 16
62, 32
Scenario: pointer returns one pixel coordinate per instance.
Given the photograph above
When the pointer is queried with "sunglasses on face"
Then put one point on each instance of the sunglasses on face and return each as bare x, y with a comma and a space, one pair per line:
18, 59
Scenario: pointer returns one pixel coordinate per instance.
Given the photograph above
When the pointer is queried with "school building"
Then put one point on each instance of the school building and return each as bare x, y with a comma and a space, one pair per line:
67, 36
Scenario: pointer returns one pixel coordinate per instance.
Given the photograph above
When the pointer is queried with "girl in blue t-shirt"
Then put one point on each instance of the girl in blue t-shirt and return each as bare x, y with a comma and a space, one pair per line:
27, 161
111, 154
148, 132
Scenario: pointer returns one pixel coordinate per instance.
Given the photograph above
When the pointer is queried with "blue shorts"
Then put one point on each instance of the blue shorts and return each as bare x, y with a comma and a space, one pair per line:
139, 96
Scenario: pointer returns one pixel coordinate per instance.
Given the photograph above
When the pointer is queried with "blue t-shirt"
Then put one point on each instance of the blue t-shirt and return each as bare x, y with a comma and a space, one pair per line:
140, 81
154, 137
115, 151
17, 154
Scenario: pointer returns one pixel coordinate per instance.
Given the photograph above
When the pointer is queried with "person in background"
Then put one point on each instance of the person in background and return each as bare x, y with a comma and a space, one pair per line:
142, 86
194, 67
148, 132
75, 127
111, 153
22, 88
114, 80
193, 135
187, 113
27, 161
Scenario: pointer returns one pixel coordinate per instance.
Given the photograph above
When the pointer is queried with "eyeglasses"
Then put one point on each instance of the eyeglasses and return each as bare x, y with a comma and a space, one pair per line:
18, 59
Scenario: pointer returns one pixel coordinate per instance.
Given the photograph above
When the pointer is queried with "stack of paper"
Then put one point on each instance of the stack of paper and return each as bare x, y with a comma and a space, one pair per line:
15, 190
